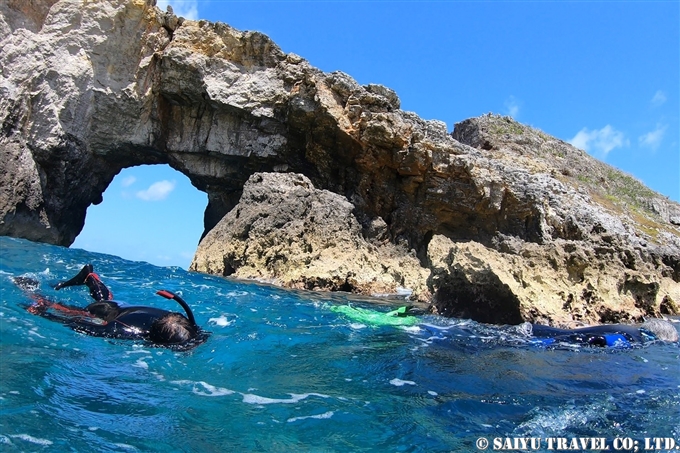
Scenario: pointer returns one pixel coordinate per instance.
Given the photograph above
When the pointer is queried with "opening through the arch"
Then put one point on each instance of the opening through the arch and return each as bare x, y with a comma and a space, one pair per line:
150, 213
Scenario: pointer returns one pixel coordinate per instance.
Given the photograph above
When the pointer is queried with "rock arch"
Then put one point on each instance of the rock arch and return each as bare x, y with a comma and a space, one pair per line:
144, 87
127, 99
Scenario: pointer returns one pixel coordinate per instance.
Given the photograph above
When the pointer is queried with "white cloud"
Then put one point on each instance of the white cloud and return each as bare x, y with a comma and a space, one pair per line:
658, 99
128, 181
157, 191
653, 139
512, 106
183, 8
599, 142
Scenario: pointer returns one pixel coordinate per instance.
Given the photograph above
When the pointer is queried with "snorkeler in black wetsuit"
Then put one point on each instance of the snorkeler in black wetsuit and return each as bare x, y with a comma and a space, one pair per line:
608, 335
106, 318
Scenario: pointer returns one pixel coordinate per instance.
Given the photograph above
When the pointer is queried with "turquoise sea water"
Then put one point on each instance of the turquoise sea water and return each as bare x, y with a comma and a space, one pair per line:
282, 372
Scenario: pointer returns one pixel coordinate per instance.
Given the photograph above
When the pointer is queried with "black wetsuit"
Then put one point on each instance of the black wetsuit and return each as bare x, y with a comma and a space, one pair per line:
130, 322
613, 335
106, 317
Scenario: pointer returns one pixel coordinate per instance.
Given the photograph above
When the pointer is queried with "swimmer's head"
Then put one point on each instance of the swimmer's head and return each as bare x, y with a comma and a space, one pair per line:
172, 328
662, 329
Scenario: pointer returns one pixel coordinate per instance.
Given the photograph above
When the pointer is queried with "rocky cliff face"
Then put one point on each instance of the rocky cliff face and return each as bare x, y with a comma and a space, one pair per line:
496, 221
286, 231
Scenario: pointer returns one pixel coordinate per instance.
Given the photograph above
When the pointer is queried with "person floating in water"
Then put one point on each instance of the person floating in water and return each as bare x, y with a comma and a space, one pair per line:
607, 335
402, 316
107, 318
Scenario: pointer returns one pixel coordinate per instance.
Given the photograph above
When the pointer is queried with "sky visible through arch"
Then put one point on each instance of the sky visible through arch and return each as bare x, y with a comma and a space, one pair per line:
150, 213
604, 76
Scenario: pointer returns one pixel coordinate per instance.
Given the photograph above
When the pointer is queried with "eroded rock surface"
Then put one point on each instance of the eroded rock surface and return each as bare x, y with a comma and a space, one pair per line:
499, 216
286, 231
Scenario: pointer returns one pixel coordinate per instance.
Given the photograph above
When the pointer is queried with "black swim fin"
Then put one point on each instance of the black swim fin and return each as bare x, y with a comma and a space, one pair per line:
78, 279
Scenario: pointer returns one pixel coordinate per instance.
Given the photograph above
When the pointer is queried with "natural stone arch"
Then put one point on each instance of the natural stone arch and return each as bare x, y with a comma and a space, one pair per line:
218, 105
62, 163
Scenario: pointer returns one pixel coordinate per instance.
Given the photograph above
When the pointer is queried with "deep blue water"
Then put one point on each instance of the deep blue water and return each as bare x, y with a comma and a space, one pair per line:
284, 373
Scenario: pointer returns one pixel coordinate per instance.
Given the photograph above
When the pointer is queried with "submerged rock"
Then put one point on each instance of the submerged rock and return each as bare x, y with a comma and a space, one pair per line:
497, 221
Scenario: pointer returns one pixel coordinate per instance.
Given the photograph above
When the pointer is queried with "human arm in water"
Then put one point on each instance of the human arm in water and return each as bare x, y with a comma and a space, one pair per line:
42, 306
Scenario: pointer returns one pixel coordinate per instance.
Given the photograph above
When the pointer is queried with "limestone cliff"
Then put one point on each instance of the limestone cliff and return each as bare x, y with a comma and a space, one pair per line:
286, 231
506, 223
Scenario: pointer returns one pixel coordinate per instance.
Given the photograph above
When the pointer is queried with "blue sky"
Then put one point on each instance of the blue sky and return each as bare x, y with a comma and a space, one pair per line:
604, 76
